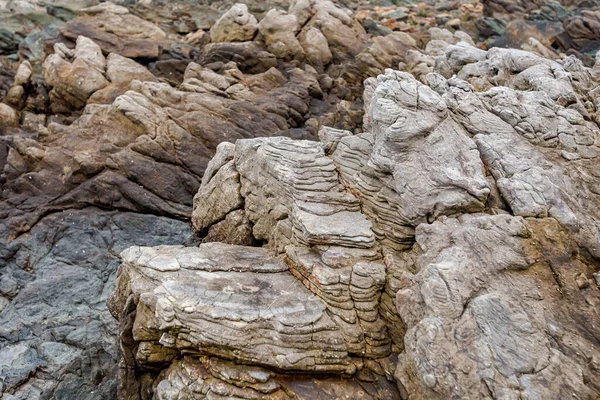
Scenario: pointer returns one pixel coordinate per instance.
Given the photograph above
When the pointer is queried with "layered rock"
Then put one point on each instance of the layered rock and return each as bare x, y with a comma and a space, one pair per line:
514, 133
455, 242
93, 131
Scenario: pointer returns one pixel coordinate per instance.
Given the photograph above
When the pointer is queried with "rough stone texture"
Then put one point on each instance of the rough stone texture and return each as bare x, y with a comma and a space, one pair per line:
454, 242
115, 30
484, 301
56, 339
236, 25
453, 163
95, 132
264, 315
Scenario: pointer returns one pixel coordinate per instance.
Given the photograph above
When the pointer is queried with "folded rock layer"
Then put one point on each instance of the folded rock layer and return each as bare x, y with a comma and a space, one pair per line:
453, 243
446, 249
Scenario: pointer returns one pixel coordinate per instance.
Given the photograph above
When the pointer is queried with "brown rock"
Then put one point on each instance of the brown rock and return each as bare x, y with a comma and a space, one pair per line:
118, 32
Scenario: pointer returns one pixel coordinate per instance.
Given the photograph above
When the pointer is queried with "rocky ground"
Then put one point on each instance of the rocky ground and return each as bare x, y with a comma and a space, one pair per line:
356, 231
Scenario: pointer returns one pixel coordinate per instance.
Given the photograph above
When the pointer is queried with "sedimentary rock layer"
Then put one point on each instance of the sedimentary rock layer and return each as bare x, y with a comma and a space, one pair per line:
456, 238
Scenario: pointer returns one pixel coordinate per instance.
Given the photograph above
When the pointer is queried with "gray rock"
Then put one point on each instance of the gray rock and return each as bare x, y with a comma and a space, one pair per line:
57, 338
233, 307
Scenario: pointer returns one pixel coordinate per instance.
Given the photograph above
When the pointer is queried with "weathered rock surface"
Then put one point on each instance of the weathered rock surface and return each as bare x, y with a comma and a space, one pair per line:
115, 30
95, 132
236, 25
448, 250
489, 299
56, 339
454, 242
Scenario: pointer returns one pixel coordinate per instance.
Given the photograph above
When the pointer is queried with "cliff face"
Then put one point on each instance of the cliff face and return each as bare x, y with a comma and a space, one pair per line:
449, 251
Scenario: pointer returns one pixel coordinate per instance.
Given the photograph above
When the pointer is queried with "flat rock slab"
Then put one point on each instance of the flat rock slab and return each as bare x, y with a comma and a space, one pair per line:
343, 228
210, 257
218, 379
230, 301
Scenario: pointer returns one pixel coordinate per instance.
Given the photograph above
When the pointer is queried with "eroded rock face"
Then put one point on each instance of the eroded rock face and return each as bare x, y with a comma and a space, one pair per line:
454, 242
504, 325
376, 232
119, 119
56, 339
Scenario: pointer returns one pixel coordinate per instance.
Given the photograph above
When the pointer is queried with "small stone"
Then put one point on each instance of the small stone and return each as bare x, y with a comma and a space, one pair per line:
582, 281
8, 286
8, 116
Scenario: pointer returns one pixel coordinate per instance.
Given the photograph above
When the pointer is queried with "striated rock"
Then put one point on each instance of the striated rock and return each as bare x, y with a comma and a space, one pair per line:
446, 248
236, 25
410, 124
287, 187
450, 248
212, 376
247, 310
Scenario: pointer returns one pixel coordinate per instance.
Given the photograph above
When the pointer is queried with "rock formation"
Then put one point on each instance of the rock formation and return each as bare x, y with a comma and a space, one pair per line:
430, 233
118, 147
454, 242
